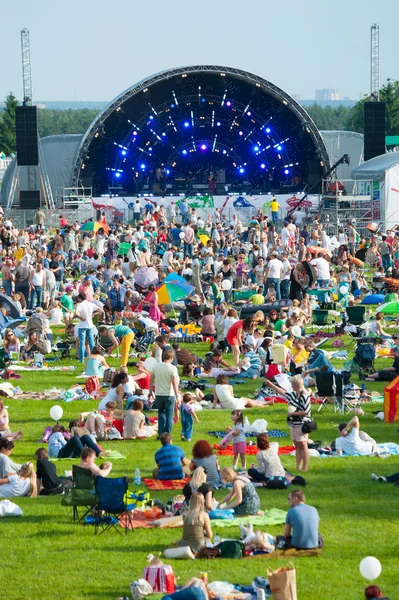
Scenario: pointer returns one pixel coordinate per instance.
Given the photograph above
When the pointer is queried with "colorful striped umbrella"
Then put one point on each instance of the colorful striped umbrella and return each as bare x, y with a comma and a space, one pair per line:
173, 291
94, 226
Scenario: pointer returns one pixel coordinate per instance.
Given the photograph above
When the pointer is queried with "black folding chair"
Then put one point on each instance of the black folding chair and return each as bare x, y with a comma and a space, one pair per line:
330, 386
111, 506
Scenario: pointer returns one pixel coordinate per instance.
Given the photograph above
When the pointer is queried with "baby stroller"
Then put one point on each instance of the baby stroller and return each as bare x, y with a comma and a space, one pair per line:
144, 338
363, 361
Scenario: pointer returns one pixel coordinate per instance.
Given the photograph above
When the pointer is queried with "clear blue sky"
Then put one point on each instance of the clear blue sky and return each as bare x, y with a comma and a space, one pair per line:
93, 50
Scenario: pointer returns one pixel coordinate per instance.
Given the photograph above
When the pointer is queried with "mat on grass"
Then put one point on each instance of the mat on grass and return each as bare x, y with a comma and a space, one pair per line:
158, 485
291, 553
139, 521
273, 516
251, 450
32, 368
274, 433
113, 455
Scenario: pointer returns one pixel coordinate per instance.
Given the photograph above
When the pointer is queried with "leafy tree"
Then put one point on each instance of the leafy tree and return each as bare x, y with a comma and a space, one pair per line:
390, 95
58, 122
329, 118
8, 143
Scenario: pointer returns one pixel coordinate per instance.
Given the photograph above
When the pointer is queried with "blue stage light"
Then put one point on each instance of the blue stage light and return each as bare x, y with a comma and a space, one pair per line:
256, 148
184, 151
203, 100
167, 172
203, 146
117, 175
268, 130
286, 171
142, 166
164, 134
151, 117
241, 170
218, 124
123, 152
172, 106
134, 132
279, 148
186, 124
224, 151
149, 149
263, 166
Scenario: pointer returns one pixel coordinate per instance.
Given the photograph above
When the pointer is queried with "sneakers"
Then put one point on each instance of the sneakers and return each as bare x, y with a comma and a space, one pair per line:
378, 478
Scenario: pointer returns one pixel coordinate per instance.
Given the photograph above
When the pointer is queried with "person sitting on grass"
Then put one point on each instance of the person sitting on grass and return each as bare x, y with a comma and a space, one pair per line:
87, 457
99, 422
134, 423
251, 364
203, 457
269, 463
355, 442
389, 373
196, 525
373, 592
198, 484
48, 482
5, 431
58, 447
170, 459
6, 464
243, 496
24, 484
96, 364
301, 529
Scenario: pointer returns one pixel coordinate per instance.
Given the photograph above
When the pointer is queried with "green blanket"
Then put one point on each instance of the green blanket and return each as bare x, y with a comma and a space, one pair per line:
274, 516
113, 455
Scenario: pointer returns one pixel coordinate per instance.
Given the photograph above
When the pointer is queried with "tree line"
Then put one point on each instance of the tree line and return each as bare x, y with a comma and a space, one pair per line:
56, 122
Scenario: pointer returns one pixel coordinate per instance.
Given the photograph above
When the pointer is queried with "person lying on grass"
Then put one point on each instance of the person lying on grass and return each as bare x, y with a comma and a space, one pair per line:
24, 484
389, 373
58, 447
352, 441
87, 458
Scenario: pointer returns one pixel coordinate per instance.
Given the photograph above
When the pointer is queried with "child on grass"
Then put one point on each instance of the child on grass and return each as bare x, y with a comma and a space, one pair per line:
239, 439
188, 416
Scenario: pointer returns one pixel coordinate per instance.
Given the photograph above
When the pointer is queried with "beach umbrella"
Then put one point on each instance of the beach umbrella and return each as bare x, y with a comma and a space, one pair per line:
145, 276
174, 277
389, 308
173, 292
94, 226
316, 250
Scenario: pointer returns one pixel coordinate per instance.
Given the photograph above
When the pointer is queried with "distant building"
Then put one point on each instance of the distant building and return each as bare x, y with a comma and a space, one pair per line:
327, 94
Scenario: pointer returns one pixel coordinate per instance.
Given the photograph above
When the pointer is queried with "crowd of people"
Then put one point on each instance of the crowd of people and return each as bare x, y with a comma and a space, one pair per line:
251, 297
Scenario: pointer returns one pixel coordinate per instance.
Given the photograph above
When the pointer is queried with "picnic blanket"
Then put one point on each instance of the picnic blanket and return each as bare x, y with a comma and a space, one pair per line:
251, 450
274, 433
166, 484
291, 553
139, 521
112, 455
33, 368
273, 516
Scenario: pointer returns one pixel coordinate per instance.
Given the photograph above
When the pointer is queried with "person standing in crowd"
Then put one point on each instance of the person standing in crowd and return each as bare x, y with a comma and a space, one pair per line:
165, 383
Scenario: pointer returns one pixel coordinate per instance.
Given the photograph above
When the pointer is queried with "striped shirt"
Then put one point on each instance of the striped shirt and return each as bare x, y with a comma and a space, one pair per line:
254, 361
168, 459
121, 330
301, 403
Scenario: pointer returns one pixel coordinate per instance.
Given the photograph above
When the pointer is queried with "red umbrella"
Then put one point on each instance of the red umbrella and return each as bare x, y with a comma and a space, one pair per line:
316, 250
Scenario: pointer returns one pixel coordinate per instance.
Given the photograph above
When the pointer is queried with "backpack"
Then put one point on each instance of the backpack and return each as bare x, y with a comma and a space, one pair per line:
276, 483
231, 549
108, 375
92, 385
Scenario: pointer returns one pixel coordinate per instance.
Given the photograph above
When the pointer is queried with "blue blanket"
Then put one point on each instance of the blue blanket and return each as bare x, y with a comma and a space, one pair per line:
274, 433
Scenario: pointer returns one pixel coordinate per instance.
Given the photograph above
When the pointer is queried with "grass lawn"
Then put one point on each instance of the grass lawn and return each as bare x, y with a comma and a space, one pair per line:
46, 556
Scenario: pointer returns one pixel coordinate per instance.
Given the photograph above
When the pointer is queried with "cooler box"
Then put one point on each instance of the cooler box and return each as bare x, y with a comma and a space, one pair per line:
391, 402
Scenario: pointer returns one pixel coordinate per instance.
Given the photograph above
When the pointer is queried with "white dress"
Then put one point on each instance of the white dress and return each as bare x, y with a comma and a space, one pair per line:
101, 244
226, 399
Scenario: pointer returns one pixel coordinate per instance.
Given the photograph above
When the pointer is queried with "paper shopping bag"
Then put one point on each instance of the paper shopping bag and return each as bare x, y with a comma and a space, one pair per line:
283, 583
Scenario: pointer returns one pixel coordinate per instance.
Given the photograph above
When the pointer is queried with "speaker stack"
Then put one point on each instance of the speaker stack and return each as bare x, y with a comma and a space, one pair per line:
374, 129
27, 156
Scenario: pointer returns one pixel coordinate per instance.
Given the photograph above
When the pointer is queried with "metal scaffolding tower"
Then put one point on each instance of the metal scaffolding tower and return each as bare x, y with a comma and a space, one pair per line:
375, 63
26, 67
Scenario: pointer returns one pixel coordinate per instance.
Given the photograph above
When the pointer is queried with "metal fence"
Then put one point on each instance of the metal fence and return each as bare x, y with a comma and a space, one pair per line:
24, 218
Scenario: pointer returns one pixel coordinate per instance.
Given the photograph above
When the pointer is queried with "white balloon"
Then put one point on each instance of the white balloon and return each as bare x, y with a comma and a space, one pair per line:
343, 290
56, 412
226, 285
150, 363
181, 235
370, 567
296, 331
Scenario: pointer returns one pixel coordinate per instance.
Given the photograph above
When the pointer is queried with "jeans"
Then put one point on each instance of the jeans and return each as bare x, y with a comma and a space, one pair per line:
187, 422
323, 283
85, 333
7, 285
24, 290
285, 288
276, 286
393, 478
188, 250
36, 294
274, 217
386, 261
165, 406
250, 374
257, 476
75, 445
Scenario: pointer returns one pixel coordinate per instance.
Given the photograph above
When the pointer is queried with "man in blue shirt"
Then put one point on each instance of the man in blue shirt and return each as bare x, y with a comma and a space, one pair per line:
251, 363
184, 211
301, 529
171, 461
116, 296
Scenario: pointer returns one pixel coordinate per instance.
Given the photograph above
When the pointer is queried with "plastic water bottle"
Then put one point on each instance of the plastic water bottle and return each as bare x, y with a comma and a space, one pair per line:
137, 476
260, 594
216, 539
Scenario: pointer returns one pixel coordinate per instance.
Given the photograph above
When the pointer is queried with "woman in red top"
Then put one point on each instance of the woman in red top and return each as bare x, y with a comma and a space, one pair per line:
143, 377
234, 336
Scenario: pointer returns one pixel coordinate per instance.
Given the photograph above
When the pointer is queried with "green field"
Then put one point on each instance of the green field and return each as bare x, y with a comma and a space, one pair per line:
47, 556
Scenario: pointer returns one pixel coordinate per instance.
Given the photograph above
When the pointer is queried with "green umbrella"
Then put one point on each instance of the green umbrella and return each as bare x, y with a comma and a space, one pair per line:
389, 308
124, 248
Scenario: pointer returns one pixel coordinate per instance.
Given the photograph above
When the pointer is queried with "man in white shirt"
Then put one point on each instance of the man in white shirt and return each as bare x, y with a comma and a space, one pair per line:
356, 442
85, 311
298, 215
323, 270
285, 235
285, 276
273, 273
166, 379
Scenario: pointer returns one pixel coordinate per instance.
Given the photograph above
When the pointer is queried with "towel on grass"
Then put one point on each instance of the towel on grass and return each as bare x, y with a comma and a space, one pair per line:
166, 484
274, 433
273, 516
251, 450
140, 521
290, 553
113, 455
23, 368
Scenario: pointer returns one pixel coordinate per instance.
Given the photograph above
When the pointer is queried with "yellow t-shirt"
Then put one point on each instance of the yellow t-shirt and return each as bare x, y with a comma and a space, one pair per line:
19, 254
300, 356
274, 206
257, 299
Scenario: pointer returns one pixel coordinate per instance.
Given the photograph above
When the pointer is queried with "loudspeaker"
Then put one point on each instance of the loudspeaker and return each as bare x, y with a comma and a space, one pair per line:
314, 174
374, 129
29, 199
26, 134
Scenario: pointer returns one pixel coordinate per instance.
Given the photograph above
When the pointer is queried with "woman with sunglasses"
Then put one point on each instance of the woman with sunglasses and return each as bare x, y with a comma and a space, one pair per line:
11, 343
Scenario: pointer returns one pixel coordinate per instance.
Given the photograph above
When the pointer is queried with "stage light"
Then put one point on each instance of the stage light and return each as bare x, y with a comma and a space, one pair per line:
134, 132
123, 152
241, 170
279, 148
186, 124
167, 172
228, 103
117, 175
256, 148
151, 117
142, 166
203, 100
240, 133
268, 130
249, 113
184, 151
263, 166
164, 134
203, 146
218, 124
149, 149
224, 151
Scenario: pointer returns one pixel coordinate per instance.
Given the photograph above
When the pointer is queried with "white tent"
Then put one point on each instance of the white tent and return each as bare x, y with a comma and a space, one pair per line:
383, 173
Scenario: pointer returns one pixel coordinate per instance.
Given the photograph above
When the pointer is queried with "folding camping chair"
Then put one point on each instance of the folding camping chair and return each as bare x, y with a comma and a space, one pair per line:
111, 505
82, 493
330, 386
320, 319
356, 315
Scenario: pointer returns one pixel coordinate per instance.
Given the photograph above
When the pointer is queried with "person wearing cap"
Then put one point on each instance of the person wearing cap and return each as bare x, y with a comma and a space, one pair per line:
274, 272
387, 374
